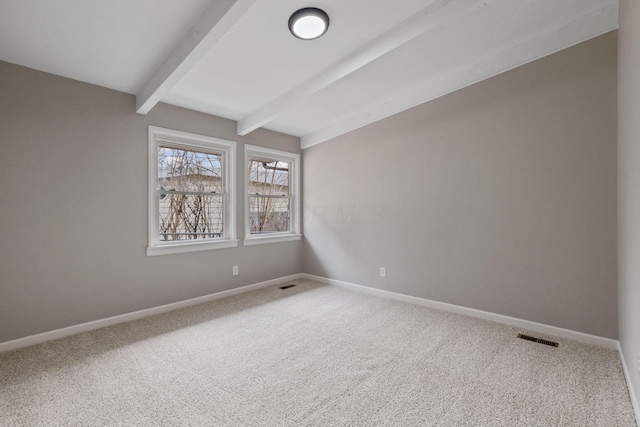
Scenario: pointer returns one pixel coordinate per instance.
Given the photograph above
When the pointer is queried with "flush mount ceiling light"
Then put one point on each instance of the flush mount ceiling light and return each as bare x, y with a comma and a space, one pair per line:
309, 23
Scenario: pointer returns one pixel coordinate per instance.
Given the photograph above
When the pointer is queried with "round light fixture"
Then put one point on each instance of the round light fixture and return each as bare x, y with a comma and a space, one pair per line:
309, 23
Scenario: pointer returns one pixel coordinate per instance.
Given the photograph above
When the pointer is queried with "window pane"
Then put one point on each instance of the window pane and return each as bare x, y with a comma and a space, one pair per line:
268, 178
268, 214
187, 170
190, 217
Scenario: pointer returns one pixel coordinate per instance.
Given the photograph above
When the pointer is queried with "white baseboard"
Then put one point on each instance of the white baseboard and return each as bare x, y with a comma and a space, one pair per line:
632, 394
512, 321
97, 324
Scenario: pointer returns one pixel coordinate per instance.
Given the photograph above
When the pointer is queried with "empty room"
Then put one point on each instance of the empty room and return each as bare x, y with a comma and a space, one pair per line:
331, 213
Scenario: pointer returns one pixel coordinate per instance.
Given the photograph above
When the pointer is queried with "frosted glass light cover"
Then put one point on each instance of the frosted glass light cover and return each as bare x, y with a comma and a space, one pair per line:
309, 23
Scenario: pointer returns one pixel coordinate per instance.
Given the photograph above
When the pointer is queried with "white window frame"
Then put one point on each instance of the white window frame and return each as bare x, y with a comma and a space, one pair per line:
181, 139
294, 193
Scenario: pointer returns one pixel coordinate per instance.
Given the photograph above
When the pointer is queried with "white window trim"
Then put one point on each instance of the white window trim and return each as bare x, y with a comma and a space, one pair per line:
155, 246
294, 192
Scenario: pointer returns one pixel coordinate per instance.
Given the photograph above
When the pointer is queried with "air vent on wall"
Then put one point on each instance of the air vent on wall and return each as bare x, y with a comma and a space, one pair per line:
287, 286
538, 340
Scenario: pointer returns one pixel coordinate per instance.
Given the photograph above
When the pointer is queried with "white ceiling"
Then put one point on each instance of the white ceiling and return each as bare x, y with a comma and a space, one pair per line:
236, 58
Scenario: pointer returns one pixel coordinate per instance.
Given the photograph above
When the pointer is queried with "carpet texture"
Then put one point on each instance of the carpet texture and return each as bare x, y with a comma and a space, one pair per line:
313, 355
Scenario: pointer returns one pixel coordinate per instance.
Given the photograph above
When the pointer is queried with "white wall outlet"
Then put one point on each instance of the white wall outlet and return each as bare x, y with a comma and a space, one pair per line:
383, 272
235, 270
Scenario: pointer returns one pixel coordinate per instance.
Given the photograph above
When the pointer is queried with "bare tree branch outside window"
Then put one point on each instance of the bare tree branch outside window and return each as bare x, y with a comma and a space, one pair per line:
269, 197
191, 201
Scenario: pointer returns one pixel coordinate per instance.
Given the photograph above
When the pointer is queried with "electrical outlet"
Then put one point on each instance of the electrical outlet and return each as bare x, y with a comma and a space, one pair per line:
235, 270
383, 272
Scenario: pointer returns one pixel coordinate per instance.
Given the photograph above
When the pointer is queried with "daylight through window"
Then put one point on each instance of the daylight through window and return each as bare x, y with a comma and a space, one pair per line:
191, 201
269, 198
272, 203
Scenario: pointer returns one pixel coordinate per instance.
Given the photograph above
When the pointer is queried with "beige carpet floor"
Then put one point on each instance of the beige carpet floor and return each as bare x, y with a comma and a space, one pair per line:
311, 355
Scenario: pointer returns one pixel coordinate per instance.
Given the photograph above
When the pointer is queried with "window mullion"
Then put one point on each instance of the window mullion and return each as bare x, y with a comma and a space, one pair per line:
191, 193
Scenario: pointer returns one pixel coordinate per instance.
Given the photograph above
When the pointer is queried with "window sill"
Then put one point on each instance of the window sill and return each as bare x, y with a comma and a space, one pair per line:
271, 239
189, 247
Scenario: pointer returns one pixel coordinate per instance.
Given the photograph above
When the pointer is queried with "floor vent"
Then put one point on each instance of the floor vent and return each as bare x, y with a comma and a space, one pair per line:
538, 340
287, 286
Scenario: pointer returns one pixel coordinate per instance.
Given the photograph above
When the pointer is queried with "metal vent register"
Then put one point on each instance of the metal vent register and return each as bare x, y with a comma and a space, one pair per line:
538, 340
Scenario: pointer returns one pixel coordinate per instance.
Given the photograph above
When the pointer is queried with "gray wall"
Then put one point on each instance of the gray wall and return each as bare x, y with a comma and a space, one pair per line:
629, 186
73, 216
499, 197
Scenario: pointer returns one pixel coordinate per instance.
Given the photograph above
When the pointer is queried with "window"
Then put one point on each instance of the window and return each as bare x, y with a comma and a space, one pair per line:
191, 192
272, 202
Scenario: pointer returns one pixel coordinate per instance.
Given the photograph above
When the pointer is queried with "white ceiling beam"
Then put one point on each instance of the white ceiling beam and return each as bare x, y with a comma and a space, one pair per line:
428, 18
219, 17
590, 25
